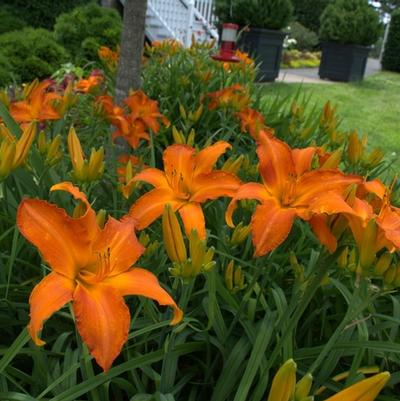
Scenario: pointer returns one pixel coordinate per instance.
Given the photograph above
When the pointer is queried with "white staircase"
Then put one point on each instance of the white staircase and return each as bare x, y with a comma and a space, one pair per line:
180, 20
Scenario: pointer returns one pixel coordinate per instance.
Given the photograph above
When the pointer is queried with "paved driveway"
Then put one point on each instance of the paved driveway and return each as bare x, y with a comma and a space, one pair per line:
310, 75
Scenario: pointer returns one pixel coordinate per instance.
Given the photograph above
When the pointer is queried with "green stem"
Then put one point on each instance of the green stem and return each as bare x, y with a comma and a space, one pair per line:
152, 150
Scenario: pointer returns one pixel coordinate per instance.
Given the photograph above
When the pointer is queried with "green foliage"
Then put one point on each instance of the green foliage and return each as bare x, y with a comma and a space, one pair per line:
6, 74
300, 59
86, 28
305, 38
30, 53
350, 22
391, 55
308, 12
40, 13
269, 14
9, 21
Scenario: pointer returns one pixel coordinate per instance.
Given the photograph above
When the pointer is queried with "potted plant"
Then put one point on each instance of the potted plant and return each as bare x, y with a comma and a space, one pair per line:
348, 29
262, 36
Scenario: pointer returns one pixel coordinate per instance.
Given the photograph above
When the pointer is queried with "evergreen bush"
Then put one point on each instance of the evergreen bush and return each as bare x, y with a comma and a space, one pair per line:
308, 12
391, 55
350, 22
9, 21
305, 38
28, 54
86, 28
41, 13
268, 14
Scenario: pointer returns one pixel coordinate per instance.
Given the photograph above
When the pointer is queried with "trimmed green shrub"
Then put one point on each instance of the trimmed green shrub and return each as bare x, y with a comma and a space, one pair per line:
350, 22
308, 12
391, 55
30, 53
86, 28
9, 21
305, 39
269, 14
6, 74
41, 13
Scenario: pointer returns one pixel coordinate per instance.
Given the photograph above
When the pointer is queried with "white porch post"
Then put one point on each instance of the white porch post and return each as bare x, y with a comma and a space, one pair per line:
189, 28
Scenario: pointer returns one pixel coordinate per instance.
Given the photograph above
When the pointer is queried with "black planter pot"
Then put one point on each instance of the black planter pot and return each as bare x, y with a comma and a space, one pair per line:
265, 45
344, 63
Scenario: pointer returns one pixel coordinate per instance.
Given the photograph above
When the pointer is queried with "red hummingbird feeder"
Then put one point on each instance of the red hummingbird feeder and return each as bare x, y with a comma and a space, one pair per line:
228, 44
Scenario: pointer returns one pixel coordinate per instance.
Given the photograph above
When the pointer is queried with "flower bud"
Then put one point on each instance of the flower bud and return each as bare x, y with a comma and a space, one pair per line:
342, 259
172, 234
178, 136
367, 247
365, 390
284, 382
303, 387
95, 167
383, 263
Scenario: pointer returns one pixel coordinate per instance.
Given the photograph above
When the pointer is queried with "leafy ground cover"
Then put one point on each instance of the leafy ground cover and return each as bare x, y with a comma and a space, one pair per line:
371, 106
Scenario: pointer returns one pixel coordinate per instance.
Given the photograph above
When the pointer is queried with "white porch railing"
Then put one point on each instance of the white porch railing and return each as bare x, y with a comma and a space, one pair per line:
185, 18
206, 9
180, 20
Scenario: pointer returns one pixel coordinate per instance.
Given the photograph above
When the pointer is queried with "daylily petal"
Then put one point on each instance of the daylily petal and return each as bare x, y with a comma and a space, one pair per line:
207, 157
102, 319
150, 206
390, 224
21, 112
214, 185
358, 220
50, 295
302, 159
89, 218
144, 283
323, 233
37, 95
276, 163
153, 176
330, 203
64, 242
179, 163
250, 190
314, 183
376, 187
270, 226
193, 219
119, 238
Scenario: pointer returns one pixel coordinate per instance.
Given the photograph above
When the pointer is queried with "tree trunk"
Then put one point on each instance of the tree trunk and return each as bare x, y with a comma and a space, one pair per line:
129, 67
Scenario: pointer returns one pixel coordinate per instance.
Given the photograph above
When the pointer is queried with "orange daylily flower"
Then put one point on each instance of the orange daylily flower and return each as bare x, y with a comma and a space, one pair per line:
108, 56
187, 181
253, 122
38, 106
375, 218
385, 216
133, 133
92, 267
87, 85
132, 130
244, 58
145, 110
233, 96
290, 189
115, 114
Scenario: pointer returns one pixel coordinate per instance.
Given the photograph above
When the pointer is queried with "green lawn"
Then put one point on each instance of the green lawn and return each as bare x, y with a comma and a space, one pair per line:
372, 106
